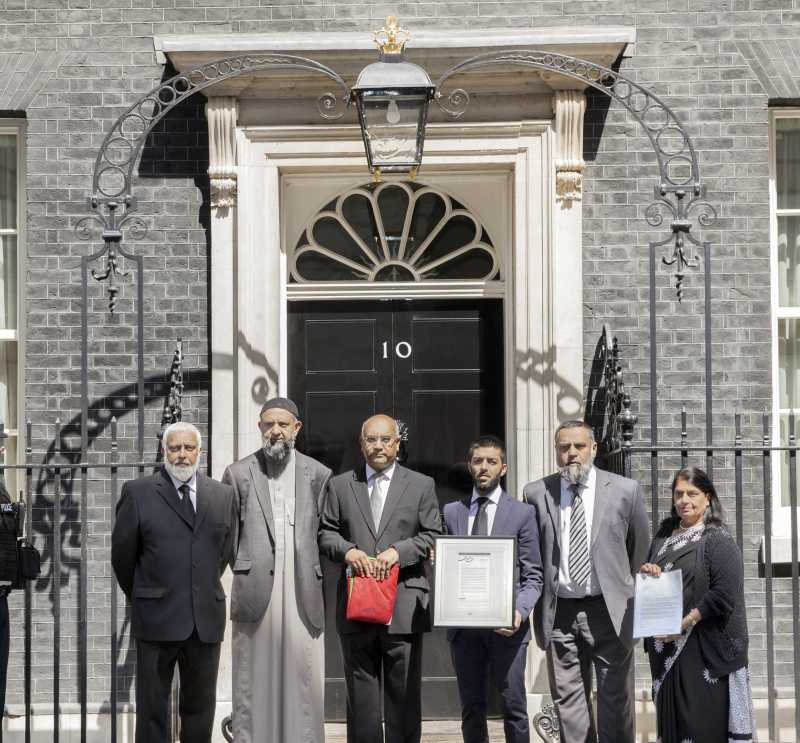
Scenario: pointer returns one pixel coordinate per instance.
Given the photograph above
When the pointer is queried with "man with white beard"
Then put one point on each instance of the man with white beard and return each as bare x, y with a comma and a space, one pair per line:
276, 603
171, 541
593, 537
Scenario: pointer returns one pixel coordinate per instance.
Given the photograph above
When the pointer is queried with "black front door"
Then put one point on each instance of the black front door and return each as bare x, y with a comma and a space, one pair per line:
437, 366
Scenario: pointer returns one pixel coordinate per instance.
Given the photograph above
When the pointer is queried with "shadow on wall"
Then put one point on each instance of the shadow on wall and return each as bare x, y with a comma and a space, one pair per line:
266, 385
64, 453
541, 368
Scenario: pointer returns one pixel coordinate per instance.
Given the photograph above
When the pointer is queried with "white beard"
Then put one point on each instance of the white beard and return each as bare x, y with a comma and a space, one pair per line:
182, 472
278, 451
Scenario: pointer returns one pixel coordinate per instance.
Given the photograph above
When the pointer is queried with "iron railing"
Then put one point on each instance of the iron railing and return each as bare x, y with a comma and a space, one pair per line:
745, 472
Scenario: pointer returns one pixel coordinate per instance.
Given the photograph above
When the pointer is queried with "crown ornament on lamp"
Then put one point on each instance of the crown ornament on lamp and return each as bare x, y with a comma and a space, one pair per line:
391, 39
392, 97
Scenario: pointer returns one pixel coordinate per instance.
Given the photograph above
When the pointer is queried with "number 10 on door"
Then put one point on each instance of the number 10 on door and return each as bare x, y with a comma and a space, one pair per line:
402, 350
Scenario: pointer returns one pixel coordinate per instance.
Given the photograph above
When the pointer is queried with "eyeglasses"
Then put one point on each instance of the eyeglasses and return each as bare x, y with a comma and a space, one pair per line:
385, 440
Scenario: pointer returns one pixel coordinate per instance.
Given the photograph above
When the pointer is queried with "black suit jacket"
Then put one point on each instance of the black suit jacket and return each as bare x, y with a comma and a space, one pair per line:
409, 522
169, 570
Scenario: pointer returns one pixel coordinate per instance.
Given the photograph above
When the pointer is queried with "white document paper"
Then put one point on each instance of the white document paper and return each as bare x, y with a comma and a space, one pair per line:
658, 604
474, 576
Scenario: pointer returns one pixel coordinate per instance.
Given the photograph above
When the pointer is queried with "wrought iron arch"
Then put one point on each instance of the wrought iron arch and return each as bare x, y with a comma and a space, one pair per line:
113, 203
655, 117
122, 146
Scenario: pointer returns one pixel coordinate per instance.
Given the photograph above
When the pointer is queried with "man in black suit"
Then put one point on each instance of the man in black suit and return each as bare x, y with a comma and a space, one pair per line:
171, 541
386, 512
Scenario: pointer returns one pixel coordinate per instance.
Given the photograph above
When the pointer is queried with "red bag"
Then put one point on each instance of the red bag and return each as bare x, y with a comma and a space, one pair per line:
370, 600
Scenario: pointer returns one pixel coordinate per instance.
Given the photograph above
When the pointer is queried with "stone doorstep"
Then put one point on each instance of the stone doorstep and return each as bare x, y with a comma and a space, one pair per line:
433, 731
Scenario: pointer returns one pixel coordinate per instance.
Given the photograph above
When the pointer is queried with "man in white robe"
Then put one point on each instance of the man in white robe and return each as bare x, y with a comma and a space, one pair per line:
277, 603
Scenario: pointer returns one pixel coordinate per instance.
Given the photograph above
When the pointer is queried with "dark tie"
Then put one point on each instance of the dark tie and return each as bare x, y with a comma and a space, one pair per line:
579, 567
186, 503
480, 526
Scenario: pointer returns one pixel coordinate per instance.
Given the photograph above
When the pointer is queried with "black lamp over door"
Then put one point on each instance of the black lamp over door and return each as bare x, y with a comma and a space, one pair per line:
392, 97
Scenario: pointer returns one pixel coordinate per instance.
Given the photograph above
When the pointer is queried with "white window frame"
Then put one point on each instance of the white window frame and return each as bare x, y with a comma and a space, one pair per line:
781, 528
18, 128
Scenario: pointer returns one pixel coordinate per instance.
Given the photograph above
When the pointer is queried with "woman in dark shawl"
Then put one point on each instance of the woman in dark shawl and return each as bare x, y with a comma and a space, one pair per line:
701, 686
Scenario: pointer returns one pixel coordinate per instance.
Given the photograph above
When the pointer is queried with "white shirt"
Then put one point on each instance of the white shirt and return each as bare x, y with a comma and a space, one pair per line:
388, 473
192, 483
566, 587
384, 479
491, 507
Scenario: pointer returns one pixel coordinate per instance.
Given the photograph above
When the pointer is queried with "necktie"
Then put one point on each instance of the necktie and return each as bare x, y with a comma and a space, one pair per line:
376, 498
480, 526
579, 567
186, 503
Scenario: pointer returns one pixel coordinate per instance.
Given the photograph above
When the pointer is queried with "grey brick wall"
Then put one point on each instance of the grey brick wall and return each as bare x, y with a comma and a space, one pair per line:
74, 65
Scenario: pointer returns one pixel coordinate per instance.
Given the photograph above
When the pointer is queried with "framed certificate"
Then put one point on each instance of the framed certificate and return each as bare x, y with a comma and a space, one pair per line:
474, 582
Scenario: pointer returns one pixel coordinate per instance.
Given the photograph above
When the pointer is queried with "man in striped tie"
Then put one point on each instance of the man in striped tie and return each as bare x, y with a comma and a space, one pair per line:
593, 536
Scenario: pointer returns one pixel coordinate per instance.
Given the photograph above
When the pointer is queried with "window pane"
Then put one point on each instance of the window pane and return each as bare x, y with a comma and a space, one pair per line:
784, 455
8, 384
11, 478
788, 363
8, 181
787, 162
8, 282
789, 261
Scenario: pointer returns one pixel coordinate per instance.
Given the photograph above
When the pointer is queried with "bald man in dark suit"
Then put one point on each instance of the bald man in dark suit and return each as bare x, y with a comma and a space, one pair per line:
386, 512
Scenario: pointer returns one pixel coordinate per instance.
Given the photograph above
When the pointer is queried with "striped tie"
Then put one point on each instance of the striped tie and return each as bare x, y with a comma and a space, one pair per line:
579, 567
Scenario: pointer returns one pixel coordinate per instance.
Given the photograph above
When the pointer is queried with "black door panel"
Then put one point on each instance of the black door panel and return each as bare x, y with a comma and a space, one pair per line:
437, 366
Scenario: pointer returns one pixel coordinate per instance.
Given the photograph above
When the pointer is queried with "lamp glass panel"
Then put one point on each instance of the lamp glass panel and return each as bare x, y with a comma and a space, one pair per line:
392, 125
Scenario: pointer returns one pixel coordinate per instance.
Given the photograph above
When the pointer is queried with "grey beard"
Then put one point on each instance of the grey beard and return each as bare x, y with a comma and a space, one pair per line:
182, 472
575, 473
278, 451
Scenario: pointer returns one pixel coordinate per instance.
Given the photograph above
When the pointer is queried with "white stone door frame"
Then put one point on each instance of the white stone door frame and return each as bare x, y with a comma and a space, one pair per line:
542, 292
544, 357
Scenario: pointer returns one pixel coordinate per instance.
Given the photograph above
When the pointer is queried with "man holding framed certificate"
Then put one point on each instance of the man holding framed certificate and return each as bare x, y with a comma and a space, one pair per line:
485, 517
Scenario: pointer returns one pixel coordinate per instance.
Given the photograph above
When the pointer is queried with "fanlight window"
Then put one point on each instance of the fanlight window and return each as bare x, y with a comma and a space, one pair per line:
396, 231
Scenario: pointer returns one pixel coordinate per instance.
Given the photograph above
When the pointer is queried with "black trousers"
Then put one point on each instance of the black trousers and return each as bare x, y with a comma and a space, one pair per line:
198, 663
399, 657
476, 652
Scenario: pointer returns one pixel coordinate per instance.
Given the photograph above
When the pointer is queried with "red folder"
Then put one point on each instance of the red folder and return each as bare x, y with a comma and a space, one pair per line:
370, 600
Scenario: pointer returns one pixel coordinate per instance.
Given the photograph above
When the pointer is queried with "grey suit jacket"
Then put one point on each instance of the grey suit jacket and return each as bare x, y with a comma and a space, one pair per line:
409, 522
254, 563
619, 542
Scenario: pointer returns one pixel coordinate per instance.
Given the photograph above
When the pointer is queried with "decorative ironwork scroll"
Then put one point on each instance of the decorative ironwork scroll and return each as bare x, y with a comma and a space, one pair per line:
112, 200
679, 191
619, 418
545, 723
173, 409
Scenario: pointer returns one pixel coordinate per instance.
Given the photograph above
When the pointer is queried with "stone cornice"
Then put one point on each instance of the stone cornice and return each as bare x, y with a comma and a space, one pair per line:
435, 49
